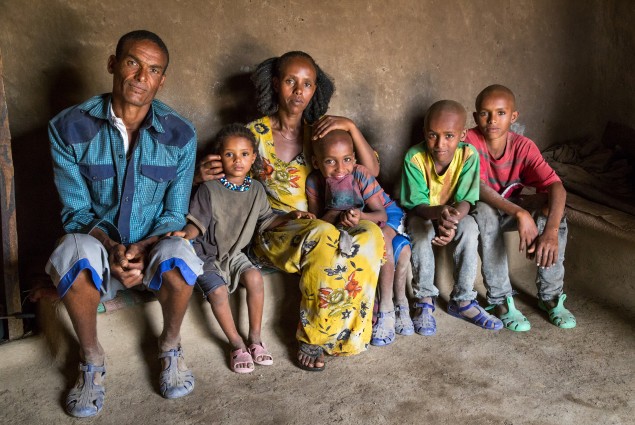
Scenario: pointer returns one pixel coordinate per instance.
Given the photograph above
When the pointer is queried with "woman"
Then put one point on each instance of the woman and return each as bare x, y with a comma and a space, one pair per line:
337, 290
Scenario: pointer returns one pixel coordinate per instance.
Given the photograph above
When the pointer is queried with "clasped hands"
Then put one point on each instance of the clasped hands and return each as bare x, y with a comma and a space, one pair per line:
447, 221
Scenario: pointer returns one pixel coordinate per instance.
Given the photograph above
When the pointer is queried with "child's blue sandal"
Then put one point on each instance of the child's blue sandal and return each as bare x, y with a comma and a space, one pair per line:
559, 315
482, 319
513, 320
86, 398
403, 322
384, 329
175, 383
424, 322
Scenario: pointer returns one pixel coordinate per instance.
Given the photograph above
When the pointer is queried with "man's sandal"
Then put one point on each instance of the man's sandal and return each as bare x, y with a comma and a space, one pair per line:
86, 398
403, 322
241, 361
559, 315
312, 351
175, 383
424, 323
482, 319
260, 354
384, 329
513, 320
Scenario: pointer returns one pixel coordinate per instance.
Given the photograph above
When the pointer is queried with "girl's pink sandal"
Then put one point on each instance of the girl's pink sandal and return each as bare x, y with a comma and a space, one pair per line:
241, 361
260, 354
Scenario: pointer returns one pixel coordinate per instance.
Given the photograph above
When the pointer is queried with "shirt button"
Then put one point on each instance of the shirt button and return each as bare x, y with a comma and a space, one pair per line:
120, 156
127, 199
94, 177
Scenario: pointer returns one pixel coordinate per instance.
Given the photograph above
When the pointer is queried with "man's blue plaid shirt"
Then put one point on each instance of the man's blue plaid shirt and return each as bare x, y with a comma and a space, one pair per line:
129, 200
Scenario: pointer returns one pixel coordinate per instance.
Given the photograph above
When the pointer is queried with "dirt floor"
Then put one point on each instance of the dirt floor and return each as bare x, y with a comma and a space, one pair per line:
461, 375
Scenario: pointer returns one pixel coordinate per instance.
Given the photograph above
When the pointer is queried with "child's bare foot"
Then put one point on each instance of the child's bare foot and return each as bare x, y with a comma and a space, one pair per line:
311, 357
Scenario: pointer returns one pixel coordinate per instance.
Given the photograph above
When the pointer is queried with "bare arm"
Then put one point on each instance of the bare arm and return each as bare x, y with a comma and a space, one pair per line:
545, 248
527, 229
189, 232
375, 210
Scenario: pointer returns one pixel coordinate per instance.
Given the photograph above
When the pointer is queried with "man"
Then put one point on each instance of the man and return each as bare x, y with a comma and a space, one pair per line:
123, 165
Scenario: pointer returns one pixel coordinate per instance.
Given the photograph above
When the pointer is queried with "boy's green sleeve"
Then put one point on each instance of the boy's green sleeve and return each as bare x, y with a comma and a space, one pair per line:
414, 188
469, 180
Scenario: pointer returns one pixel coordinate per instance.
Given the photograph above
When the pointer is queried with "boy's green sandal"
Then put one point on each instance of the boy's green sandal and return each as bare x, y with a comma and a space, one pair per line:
559, 315
513, 320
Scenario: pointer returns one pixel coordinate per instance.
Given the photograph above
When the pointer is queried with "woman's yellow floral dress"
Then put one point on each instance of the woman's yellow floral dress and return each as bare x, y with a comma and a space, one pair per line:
337, 290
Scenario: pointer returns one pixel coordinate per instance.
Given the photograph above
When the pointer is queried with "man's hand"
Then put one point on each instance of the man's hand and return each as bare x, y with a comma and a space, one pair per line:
124, 267
127, 264
545, 249
350, 218
210, 168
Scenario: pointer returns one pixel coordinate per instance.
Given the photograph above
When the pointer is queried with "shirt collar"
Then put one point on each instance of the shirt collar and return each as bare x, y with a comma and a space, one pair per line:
103, 110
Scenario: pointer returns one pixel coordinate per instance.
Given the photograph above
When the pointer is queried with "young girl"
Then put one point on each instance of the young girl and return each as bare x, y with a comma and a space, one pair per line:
223, 217
343, 193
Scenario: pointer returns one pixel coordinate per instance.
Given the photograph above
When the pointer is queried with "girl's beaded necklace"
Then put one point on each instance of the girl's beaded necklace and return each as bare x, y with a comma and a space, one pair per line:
237, 188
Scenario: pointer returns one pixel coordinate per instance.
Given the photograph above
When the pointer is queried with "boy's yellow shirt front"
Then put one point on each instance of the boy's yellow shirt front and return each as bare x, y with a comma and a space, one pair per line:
420, 183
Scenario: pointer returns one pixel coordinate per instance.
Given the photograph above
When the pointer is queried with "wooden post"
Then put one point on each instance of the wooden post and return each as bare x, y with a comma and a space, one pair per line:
8, 229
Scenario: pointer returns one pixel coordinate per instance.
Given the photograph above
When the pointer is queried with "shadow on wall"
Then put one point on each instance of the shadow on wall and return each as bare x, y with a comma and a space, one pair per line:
235, 92
237, 98
37, 202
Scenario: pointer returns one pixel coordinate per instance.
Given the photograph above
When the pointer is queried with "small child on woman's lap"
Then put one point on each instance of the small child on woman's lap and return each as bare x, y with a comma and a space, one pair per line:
342, 192
224, 214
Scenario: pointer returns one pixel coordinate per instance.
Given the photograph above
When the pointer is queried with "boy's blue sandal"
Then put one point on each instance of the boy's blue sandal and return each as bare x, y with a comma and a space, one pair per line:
513, 320
559, 315
86, 398
482, 319
384, 329
175, 383
403, 322
424, 322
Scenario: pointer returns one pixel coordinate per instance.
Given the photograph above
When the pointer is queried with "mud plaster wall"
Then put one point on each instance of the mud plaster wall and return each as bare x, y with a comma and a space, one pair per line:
567, 61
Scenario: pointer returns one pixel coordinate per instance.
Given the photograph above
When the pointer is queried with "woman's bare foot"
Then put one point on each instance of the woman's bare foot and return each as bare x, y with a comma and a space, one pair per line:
311, 357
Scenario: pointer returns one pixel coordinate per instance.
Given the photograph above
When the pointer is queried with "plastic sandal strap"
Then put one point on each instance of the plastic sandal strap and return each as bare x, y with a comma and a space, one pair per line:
425, 305
175, 383
86, 398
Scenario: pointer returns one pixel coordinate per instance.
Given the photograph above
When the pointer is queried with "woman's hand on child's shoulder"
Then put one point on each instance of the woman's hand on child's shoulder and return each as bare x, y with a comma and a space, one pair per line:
331, 122
209, 168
